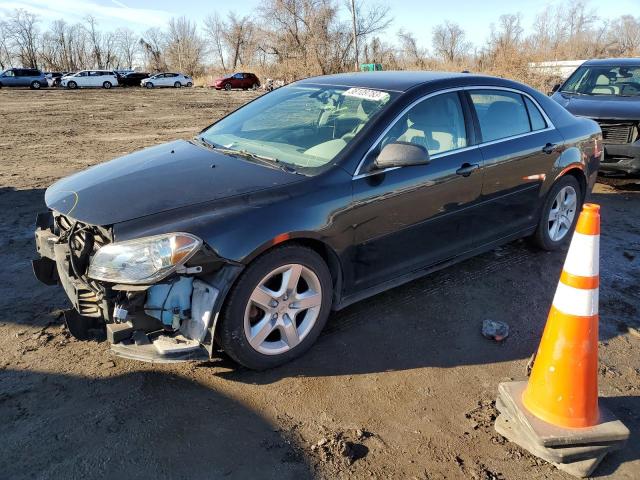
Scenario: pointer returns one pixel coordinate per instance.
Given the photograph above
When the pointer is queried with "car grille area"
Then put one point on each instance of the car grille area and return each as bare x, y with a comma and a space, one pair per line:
76, 245
619, 132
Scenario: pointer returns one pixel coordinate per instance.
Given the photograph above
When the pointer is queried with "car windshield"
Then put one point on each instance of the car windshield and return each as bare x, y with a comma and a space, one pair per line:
301, 126
604, 80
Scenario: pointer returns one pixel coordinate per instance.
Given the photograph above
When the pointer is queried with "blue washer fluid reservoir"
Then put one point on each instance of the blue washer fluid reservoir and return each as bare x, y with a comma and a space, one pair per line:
170, 302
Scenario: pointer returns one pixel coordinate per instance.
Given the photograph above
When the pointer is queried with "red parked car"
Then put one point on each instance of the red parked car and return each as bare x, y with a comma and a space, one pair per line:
244, 81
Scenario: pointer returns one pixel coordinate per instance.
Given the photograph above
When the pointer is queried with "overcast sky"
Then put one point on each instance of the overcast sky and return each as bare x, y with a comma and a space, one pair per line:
417, 16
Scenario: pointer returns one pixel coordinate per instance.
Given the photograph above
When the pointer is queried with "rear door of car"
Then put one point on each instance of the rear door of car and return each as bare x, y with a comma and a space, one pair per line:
237, 80
22, 77
519, 147
409, 218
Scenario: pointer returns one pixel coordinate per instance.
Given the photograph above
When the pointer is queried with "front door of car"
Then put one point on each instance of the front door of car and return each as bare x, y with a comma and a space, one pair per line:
82, 79
409, 218
9, 78
519, 147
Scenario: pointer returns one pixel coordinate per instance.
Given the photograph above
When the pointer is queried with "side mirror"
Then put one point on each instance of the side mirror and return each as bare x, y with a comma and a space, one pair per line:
554, 89
402, 154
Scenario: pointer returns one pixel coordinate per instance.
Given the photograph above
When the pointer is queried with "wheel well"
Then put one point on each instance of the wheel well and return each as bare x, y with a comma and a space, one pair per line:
579, 176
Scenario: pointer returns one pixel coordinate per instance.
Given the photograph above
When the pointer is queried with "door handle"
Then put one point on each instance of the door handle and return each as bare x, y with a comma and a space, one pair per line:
549, 148
467, 169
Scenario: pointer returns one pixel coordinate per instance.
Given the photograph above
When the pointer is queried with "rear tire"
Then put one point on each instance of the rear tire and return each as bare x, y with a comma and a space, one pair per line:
566, 215
177, 85
35, 85
240, 314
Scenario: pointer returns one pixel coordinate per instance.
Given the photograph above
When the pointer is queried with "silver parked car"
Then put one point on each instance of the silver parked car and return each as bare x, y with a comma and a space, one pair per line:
176, 80
23, 77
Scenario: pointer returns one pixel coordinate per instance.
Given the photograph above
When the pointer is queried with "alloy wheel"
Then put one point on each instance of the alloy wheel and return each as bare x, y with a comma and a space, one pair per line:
282, 309
562, 213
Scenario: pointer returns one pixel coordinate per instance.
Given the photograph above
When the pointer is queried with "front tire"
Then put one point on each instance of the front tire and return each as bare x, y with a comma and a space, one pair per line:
559, 214
106, 85
148, 85
72, 85
189, 84
35, 85
277, 308
227, 86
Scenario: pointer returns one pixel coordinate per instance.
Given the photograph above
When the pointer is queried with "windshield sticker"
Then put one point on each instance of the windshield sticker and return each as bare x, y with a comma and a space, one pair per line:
367, 94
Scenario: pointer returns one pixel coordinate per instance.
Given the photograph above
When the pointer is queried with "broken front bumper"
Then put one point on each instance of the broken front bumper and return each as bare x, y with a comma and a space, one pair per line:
134, 316
621, 158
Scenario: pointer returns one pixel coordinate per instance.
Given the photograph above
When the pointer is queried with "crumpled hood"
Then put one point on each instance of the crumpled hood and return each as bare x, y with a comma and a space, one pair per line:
157, 179
605, 107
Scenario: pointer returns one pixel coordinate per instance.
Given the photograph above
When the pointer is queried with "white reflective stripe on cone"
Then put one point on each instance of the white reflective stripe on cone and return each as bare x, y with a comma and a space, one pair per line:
583, 258
576, 301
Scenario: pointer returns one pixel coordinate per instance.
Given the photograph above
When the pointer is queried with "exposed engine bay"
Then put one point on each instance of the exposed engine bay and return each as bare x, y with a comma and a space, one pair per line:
172, 319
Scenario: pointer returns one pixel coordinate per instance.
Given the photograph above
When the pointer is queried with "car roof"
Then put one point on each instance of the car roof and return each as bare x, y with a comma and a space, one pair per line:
614, 62
399, 81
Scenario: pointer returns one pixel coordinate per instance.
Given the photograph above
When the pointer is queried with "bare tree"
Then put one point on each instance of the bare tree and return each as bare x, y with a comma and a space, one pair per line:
449, 41
127, 46
214, 28
5, 53
238, 36
23, 35
624, 35
95, 37
153, 46
413, 54
184, 48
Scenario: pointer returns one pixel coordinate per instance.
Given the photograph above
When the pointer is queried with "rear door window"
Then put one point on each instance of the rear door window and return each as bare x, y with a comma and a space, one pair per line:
501, 114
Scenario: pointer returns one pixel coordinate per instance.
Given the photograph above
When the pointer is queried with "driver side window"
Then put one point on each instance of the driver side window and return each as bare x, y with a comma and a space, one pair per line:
436, 123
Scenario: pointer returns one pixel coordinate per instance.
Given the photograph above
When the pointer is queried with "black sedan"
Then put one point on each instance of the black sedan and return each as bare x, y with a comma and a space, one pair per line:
608, 91
132, 79
306, 200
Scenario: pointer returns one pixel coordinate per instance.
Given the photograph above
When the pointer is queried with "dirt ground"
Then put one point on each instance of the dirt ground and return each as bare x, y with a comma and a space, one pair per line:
399, 386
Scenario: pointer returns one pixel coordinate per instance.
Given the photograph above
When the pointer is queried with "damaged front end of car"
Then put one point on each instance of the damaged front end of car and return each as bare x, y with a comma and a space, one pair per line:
157, 297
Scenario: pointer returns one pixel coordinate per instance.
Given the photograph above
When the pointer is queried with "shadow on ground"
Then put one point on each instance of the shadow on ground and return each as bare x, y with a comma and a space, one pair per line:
138, 425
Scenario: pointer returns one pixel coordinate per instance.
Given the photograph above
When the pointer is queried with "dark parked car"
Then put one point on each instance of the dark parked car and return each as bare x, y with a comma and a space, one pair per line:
310, 198
608, 91
237, 80
132, 79
23, 77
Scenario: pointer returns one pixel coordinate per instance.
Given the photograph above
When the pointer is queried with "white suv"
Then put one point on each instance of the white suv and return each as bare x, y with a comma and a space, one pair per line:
176, 80
90, 78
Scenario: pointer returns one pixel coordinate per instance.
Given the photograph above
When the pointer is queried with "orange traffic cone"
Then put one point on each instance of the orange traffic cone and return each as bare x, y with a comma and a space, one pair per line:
556, 415
563, 387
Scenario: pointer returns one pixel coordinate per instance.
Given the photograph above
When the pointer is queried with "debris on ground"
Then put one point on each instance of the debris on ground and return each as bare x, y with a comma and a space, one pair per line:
495, 330
338, 448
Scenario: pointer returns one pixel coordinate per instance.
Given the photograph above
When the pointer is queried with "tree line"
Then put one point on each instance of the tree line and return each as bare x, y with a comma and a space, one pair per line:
296, 38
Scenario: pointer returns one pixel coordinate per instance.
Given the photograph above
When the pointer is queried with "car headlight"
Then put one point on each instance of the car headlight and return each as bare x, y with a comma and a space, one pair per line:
144, 260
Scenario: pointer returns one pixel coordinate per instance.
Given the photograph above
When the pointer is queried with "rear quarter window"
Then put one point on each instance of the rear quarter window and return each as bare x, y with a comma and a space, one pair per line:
537, 120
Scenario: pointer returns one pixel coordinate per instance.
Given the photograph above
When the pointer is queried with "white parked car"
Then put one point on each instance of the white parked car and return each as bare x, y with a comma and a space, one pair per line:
176, 80
90, 78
